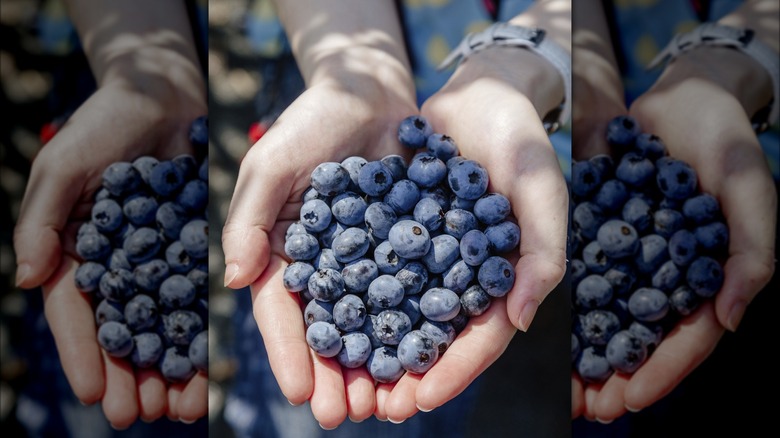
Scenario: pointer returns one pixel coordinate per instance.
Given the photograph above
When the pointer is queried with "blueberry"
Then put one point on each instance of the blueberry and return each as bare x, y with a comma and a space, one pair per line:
176, 366
353, 165
585, 178
413, 278
459, 322
350, 245
107, 216
461, 203
611, 196
387, 260
667, 277
598, 326
181, 326
622, 277
317, 310
454, 161
148, 349
199, 351
310, 194
705, 276
188, 166
358, 274
496, 276
439, 304
413, 132
325, 237
474, 301
117, 285
349, 313
650, 146
199, 131
595, 259
203, 171
368, 329
666, 222
409, 239
410, 306
458, 222
194, 238
442, 333
618, 239
199, 277
683, 300
604, 165
417, 352
375, 178
676, 179
385, 292
108, 310
592, 366
326, 285
622, 131
356, 347
295, 228
429, 213
578, 271
427, 170
324, 339
701, 209
142, 245
712, 237
144, 166
315, 215
179, 261
587, 218
194, 196
474, 247
468, 179
442, 146
384, 366
301, 247
458, 277
503, 237
635, 170
140, 313
87, 276
593, 291
649, 334
171, 218
683, 247
492, 208
330, 179
637, 212
327, 259
439, 195
115, 338
379, 218
349, 208
296, 276
648, 304
140, 210
166, 178
626, 352
177, 291
653, 252
397, 166
121, 178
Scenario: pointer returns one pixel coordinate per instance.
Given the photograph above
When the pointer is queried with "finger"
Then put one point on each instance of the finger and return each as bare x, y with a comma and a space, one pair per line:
193, 401
401, 403
174, 393
383, 391
610, 403
577, 396
263, 186
591, 394
328, 401
278, 316
71, 320
687, 345
152, 394
477, 347
120, 402
361, 398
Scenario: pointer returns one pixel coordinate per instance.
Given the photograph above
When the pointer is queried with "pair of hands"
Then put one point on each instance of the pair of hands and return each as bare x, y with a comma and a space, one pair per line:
701, 122
483, 108
132, 115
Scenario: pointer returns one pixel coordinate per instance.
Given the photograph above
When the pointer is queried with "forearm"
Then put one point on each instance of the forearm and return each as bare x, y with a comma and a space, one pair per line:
334, 39
143, 37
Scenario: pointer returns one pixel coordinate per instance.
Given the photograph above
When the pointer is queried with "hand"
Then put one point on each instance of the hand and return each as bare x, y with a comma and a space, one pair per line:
330, 121
493, 122
703, 123
131, 115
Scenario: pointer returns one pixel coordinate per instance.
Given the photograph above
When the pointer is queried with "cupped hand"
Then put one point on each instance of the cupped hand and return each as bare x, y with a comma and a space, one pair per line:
705, 125
493, 122
328, 122
121, 121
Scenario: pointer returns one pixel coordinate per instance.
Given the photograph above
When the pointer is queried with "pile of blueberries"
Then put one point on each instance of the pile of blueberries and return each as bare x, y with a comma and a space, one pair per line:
645, 248
392, 259
145, 264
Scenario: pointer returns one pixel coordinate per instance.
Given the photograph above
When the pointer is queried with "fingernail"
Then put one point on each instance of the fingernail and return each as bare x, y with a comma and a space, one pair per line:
735, 315
527, 314
186, 421
294, 404
394, 421
630, 409
423, 410
325, 428
603, 421
22, 272
383, 420
355, 421
231, 272
117, 427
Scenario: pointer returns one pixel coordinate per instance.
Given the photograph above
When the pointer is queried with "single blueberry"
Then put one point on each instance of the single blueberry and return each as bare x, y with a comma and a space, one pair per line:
496, 276
199, 351
648, 304
705, 276
148, 349
468, 179
115, 338
413, 132
324, 339
417, 352
330, 179
356, 347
